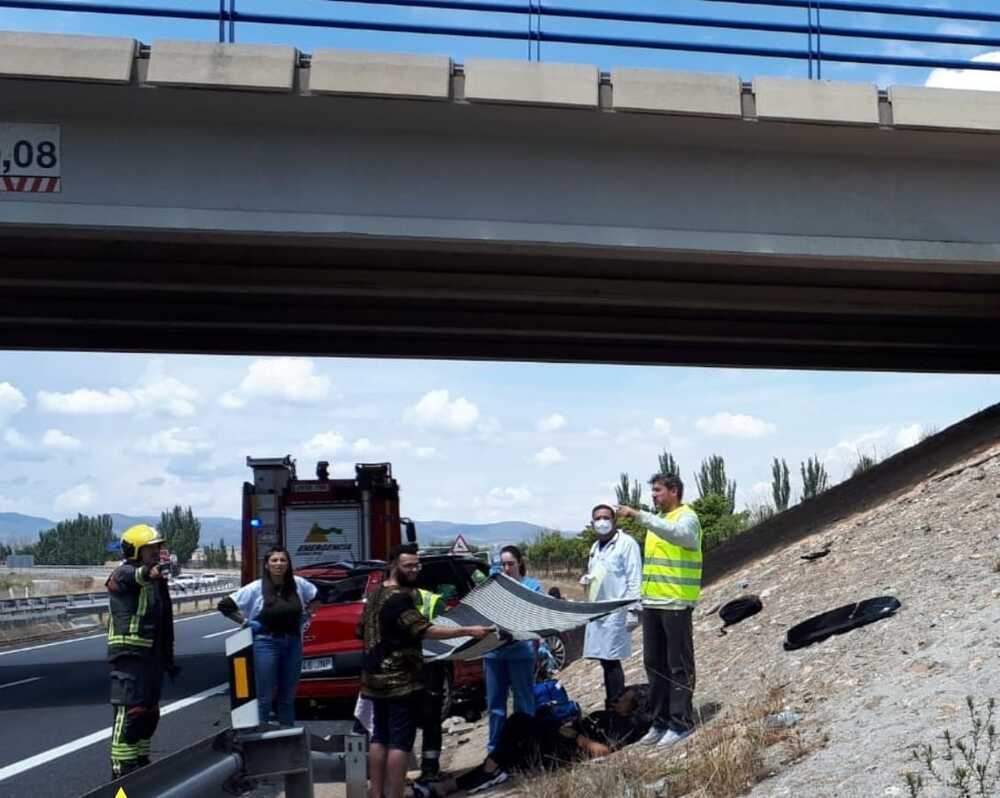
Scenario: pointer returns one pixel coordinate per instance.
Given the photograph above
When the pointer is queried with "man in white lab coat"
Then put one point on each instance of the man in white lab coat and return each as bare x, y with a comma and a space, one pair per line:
614, 571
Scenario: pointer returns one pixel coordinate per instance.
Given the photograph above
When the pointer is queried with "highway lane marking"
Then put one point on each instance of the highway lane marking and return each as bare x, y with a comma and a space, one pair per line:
223, 632
75, 745
22, 681
94, 637
48, 645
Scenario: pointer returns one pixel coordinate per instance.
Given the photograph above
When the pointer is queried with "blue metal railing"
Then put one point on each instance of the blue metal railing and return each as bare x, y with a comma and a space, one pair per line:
814, 31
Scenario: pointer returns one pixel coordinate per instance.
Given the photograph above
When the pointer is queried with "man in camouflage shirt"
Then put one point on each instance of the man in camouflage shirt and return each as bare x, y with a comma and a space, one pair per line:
392, 629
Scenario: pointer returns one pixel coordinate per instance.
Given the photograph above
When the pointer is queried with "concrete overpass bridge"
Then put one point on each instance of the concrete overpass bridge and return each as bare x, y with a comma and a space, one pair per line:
236, 198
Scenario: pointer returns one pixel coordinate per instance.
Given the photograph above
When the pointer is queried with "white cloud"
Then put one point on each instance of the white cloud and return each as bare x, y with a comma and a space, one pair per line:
231, 400
976, 79
730, 425
292, 379
86, 401
437, 410
597, 432
841, 458
507, 497
324, 444
425, 452
909, 436
177, 442
548, 456
552, 423
489, 430
15, 440
661, 427
79, 497
163, 395
364, 446
22, 450
11, 401
440, 504
57, 439
167, 395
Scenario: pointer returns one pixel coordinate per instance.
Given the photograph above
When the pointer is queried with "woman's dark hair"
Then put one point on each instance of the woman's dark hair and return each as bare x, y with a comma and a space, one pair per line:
287, 588
515, 552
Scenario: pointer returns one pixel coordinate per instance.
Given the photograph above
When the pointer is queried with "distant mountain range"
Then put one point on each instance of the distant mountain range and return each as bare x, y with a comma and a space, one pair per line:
15, 527
18, 528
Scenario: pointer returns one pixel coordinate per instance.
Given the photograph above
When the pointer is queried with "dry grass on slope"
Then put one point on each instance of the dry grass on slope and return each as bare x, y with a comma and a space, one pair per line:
725, 758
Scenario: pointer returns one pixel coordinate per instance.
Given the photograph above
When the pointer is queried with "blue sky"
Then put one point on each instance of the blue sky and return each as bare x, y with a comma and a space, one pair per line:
469, 442
307, 39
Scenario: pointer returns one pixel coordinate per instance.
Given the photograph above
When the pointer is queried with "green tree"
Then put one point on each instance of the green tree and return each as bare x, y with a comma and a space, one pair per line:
758, 514
667, 464
711, 480
232, 558
814, 478
181, 532
781, 489
865, 462
629, 492
81, 541
215, 556
718, 523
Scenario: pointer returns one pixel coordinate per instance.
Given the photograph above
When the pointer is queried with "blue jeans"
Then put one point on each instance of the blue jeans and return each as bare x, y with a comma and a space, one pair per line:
503, 675
277, 665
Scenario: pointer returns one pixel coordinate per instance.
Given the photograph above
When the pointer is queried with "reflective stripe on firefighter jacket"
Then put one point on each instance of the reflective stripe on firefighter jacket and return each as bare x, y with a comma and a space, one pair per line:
671, 572
430, 604
139, 611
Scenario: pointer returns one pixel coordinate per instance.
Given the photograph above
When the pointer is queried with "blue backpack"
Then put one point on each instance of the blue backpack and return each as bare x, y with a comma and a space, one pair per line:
552, 702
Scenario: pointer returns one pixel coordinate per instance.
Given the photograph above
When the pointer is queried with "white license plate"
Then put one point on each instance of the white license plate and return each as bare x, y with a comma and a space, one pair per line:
317, 664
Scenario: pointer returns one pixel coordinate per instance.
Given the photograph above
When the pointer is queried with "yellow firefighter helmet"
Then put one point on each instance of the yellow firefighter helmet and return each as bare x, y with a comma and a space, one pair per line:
135, 537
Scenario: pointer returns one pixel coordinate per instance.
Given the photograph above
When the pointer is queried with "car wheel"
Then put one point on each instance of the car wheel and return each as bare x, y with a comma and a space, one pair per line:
448, 694
558, 649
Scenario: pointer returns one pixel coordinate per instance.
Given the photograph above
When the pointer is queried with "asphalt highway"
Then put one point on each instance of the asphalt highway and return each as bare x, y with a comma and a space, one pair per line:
55, 719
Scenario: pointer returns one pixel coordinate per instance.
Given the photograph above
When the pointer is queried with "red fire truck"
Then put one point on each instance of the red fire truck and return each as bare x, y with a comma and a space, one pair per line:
339, 532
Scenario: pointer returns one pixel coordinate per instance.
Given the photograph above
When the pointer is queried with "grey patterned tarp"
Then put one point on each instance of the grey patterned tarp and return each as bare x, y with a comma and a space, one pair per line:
518, 613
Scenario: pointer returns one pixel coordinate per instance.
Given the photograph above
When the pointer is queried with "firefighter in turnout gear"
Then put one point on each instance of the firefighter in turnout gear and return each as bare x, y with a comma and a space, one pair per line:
140, 647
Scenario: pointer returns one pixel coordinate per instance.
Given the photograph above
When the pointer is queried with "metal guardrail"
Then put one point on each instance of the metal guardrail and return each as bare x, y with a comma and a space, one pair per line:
79, 602
546, 24
56, 611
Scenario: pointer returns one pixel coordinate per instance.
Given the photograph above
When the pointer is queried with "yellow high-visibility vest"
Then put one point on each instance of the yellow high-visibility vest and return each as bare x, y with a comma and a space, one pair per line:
430, 604
671, 572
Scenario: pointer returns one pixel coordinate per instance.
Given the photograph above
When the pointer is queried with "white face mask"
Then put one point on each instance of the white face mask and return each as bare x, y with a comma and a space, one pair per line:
602, 526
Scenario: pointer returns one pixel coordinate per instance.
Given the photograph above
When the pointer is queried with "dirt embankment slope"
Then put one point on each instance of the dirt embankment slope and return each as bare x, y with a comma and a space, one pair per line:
925, 527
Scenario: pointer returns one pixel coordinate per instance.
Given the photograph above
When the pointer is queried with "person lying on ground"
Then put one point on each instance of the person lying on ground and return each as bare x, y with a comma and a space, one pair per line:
530, 743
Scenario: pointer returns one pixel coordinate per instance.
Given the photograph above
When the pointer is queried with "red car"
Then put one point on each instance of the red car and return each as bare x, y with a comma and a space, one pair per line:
331, 657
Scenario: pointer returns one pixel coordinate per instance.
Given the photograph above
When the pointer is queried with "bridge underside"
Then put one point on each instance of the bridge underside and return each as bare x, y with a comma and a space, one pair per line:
353, 297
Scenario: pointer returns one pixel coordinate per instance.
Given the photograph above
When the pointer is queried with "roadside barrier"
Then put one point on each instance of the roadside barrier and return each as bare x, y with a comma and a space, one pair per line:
234, 761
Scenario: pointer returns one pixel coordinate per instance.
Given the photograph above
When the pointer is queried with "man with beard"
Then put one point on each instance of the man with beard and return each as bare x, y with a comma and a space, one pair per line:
392, 628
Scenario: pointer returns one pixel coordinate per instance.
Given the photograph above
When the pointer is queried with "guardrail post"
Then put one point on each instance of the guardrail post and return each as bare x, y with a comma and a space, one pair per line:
355, 765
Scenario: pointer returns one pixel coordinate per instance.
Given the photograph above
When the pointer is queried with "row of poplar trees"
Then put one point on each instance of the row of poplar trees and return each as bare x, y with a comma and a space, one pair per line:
91, 539
716, 502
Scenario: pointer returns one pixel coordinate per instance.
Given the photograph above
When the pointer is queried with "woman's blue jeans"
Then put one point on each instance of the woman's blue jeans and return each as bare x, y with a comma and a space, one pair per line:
277, 665
516, 675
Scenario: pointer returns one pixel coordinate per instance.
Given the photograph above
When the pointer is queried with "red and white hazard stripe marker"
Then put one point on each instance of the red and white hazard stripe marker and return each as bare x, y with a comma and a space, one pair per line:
33, 185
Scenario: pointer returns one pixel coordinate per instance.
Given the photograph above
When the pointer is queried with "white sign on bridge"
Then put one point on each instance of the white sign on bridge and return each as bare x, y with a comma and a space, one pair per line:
30, 158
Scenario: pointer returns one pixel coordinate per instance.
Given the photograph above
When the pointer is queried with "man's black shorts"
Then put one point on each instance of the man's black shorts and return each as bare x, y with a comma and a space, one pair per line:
395, 721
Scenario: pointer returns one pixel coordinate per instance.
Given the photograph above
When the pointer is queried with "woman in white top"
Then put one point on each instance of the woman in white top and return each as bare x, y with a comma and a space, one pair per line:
276, 608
